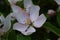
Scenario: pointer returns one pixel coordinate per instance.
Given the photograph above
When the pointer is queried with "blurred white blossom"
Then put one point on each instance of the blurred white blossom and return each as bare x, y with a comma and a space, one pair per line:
58, 38
5, 23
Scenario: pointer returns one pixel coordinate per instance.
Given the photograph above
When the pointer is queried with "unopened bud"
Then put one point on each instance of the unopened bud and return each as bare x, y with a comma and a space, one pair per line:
51, 12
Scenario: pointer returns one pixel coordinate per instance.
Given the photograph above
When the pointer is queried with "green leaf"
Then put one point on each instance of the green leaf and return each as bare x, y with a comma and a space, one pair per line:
58, 18
52, 28
22, 37
20, 3
12, 36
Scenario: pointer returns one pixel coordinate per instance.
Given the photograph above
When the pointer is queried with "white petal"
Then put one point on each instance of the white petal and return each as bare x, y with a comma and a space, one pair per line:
40, 21
13, 1
29, 31
16, 9
19, 27
20, 14
28, 3
2, 18
34, 12
58, 2
7, 23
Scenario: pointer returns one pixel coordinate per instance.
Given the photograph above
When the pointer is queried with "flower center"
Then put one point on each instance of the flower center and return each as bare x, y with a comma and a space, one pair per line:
28, 21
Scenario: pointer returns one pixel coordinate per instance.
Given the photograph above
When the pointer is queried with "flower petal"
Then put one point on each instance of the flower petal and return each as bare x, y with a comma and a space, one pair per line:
34, 12
58, 2
12, 16
27, 4
19, 27
2, 18
29, 31
7, 23
13, 1
40, 21
19, 14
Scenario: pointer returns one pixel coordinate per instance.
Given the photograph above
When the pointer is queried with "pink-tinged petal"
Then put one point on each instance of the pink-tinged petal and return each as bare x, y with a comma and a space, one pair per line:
20, 27
58, 38
40, 21
58, 2
29, 31
19, 14
7, 23
18, 10
34, 12
51, 12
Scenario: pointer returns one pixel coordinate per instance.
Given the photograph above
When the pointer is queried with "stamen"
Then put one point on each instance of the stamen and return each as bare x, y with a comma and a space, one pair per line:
27, 28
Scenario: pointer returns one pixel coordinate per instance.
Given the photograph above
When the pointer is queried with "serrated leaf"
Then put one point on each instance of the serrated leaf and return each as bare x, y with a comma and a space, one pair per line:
52, 28
22, 37
12, 36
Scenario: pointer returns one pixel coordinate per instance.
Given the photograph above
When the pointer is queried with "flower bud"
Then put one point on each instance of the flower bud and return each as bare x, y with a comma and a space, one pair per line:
58, 38
51, 12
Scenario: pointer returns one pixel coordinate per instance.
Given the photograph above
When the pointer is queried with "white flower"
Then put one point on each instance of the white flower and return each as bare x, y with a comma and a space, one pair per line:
6, 22
58, 2
27, 19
